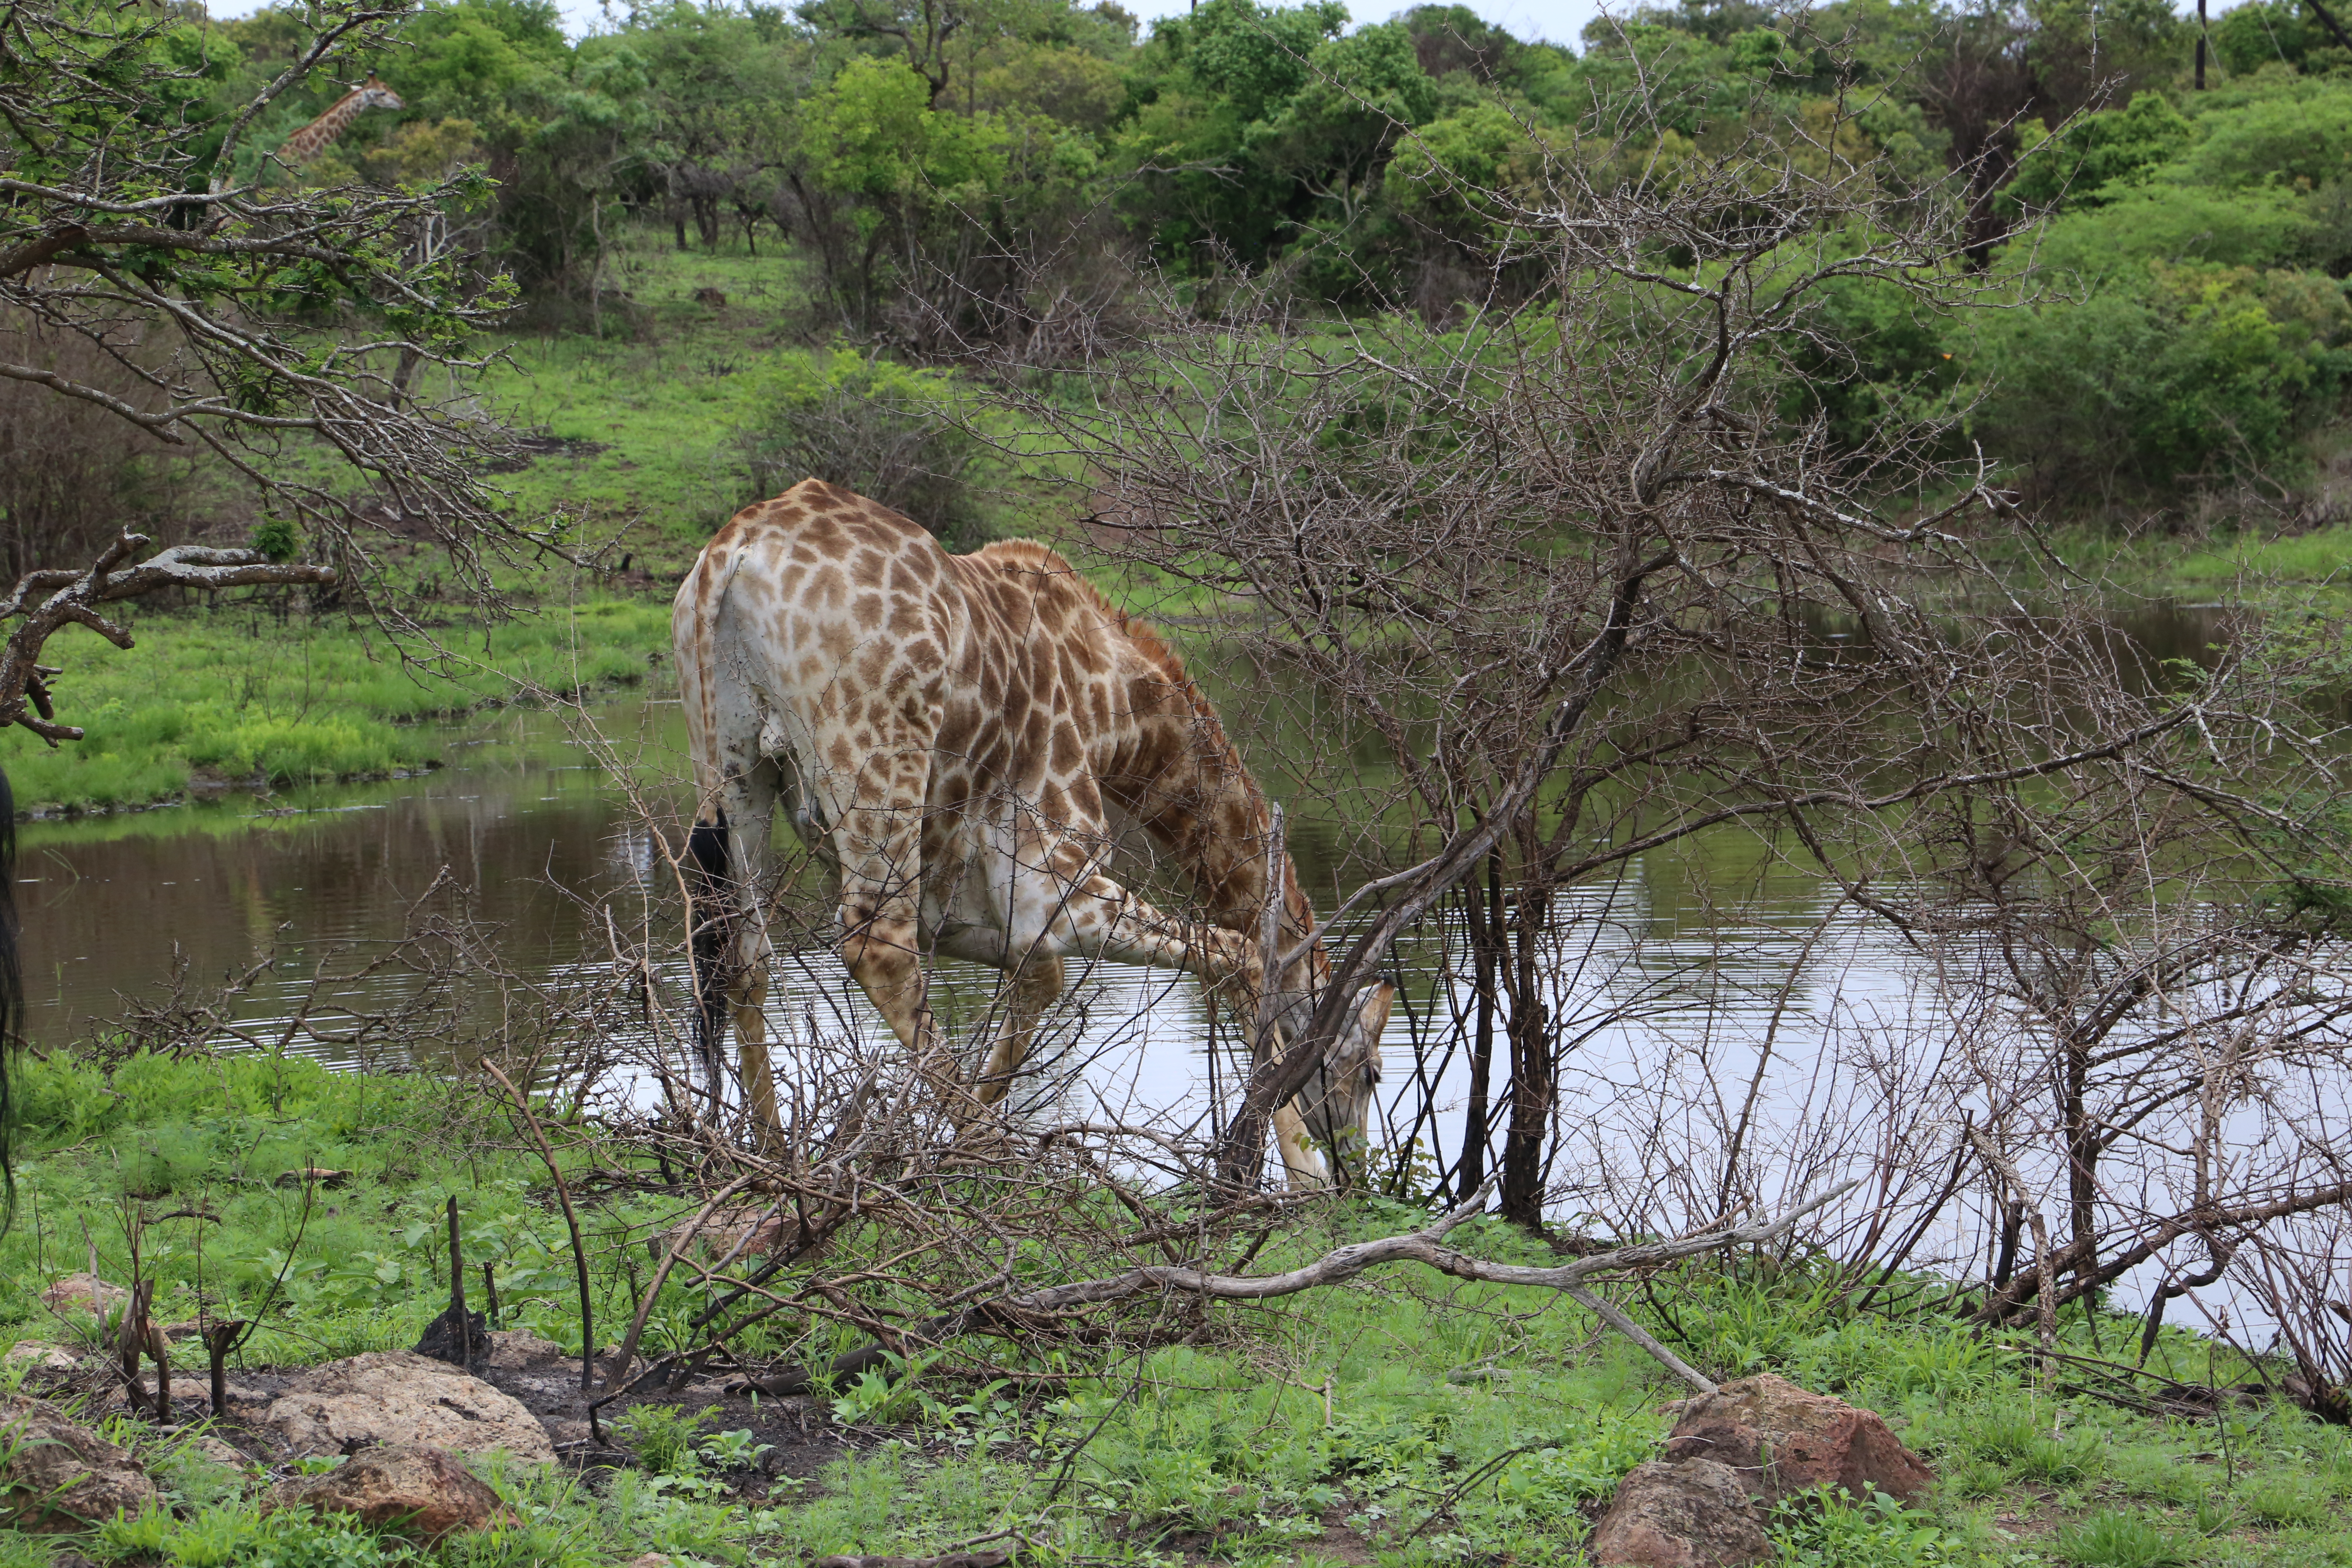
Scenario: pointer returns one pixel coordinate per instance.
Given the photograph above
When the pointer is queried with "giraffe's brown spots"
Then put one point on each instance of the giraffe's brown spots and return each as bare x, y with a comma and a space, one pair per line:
1068, 753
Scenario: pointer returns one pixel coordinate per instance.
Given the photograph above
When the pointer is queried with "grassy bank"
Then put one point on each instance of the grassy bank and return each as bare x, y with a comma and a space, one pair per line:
1391, 1421
234, 697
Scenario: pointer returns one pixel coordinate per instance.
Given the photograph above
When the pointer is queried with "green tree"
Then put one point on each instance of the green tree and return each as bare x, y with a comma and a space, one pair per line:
207, 302
2100, 153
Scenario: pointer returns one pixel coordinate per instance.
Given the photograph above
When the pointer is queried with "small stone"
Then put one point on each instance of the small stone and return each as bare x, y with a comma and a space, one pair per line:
43, 1357
220, 1453
1692, 1514
1783, 1441
412, 1488
84, 1296
62, 1476
403, 1398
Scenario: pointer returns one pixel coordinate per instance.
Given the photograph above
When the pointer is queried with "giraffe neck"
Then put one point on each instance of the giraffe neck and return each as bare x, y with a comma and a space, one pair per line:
1189, 789
316, 137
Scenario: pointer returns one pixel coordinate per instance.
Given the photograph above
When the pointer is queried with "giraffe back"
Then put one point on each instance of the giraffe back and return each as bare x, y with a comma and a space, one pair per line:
830, 627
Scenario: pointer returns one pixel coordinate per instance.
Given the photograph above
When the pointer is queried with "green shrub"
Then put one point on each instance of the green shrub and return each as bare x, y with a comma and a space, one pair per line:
2116, 148
881, 429
2165, 376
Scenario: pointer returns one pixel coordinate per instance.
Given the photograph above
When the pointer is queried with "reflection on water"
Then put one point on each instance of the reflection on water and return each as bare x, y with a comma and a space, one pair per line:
110, 907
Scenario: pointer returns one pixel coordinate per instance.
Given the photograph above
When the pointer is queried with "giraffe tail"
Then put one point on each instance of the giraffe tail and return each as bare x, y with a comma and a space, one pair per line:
710, 913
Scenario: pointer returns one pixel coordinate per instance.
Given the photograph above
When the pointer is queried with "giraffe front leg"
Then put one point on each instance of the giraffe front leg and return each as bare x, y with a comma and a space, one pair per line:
880, 849
1034, 987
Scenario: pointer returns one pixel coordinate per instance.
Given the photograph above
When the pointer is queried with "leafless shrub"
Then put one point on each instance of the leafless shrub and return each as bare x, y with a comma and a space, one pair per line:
72, 475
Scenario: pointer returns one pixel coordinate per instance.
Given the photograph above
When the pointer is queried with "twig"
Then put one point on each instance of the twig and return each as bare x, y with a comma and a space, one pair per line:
571, 1220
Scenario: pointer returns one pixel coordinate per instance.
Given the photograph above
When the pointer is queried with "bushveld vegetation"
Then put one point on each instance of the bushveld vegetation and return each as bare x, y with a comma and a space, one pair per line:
1718, 448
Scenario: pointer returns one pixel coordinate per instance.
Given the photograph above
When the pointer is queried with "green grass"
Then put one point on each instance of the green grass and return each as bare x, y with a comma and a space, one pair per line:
2252, 566
236, 696
655, 406
662, 394
1468, 1425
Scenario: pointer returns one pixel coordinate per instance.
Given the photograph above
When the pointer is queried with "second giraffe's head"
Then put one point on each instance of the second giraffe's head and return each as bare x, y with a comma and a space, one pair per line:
373, 94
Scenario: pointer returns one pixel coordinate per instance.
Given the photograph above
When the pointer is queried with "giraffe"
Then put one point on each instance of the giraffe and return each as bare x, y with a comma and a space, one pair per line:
318, 135
948, 734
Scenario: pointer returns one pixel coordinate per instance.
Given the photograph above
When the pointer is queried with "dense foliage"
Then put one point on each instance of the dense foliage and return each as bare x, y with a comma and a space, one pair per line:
988, 172
962, 175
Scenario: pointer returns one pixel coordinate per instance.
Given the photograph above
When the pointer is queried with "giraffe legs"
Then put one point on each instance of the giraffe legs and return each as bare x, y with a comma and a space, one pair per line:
749, 799
1034, 987
1066, 907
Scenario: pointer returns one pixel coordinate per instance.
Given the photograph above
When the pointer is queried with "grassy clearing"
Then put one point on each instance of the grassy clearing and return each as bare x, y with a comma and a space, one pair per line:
231, 696
649, 415
1396, 1421
2240, 567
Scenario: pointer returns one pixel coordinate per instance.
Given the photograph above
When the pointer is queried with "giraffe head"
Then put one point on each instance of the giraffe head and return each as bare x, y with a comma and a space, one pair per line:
1337, 1100
373, 94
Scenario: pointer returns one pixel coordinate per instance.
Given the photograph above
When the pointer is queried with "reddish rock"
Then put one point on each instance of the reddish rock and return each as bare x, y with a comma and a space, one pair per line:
79, 1296
59, 1475
419, 1490
1694, 1513
1783, 1441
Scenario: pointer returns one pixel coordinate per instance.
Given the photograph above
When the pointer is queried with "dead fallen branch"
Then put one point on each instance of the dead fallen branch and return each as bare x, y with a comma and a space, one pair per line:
1029, 1309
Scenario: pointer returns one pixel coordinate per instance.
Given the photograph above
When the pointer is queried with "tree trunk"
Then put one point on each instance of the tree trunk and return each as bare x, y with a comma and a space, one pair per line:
1485, 913
2082, 1162
1534, 1073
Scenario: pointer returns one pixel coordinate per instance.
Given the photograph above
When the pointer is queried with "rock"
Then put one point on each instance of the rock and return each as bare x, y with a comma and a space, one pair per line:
1783, 1441
719, 1233
44, 1357
511, 1349
400, 1397
1692, 1514
84, 1296
413, 1489
61, 1476
220, 1453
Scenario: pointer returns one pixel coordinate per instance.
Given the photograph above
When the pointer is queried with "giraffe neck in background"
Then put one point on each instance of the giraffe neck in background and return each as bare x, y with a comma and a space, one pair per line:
319, 134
